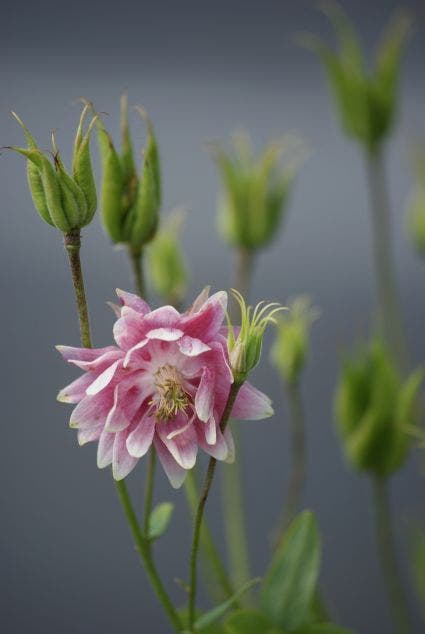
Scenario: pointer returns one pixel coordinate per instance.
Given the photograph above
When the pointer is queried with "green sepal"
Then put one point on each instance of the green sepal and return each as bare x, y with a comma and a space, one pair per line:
83, 174
289, 586
127, 157
112, 187
159, 520
249, 622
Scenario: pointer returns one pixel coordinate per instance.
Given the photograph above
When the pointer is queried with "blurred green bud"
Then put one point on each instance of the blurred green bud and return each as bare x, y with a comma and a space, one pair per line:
416, 206
366, 100
374, 408
129, 203
255, 190
167, 268
63, 201
290, 348
417, 564
245, 345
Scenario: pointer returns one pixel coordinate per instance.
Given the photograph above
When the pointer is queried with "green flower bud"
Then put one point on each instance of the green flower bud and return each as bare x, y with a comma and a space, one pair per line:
245, 348
290, 348
366, 101
130, 203
167, 267
64, 202
374, 408
255, 191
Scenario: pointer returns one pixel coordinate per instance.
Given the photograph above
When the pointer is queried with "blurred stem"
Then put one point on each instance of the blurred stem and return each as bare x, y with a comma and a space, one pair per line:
201, 506
211, 554
150, 478
72, 244
142, 545
232, 489
387, 554
136, 259
388, 302
298, 453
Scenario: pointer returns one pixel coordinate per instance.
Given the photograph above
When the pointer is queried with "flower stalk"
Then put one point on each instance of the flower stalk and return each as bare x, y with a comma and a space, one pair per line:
72, 241
387, 554
201, 507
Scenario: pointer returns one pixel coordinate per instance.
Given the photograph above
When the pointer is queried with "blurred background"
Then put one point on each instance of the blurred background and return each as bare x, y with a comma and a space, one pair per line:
202, 70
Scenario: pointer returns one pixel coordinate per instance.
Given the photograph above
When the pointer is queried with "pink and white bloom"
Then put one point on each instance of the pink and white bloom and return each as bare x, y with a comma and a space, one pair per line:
165, 382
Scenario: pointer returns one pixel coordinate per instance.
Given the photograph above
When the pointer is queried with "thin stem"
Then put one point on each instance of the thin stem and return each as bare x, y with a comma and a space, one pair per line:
387, 554
150, 478
387, 293
142, 545
298, 452
72, 243
135, 256
211, 554
201, 506
232, 489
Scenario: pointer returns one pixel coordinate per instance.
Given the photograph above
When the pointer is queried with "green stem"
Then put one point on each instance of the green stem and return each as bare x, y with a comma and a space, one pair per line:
72, 244
150, 478
211, 555
135, 256
298, 452
72, 241
387, 554
142, 545
388, 302
201, 506
232, 489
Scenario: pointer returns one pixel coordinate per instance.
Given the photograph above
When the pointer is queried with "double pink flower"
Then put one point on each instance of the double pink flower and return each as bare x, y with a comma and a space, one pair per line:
166, 382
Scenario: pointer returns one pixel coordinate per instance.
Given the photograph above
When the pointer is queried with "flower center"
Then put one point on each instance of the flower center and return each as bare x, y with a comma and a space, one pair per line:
171, 398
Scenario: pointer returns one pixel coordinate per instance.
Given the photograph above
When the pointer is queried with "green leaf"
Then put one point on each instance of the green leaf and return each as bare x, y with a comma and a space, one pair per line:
249, 622
217, 612
160, 519
322, 628
289, 585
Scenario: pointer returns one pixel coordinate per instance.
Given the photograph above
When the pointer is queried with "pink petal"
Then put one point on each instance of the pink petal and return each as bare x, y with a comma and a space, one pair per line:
199, 301
128, 398
208, 320
122, 462
103, 379
72, 354
75, 391
133, 301
180, 440
105, 449
192, 347
174, 471
129, 329
165, 334
211, 431
89, 435
164, 317
91, 411
204, 399
251, 404
132, 355
140, 439
219, 450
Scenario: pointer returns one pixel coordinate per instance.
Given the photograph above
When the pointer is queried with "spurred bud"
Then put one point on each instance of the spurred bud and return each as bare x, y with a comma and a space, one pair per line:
374, 410
63, 201
245, 346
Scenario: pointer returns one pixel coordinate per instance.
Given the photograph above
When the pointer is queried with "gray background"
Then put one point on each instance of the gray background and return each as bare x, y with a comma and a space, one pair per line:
202, 69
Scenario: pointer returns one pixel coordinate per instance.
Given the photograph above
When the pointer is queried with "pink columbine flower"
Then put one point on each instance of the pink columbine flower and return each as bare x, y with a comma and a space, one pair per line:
165, 383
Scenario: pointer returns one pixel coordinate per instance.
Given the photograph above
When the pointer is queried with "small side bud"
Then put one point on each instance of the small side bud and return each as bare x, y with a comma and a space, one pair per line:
290, 348
245, 348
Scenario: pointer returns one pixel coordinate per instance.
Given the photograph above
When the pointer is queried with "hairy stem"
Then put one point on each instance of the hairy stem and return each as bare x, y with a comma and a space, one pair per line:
298, 453
387, 294
136, 259
142, 545
201, 506
387, 554
213, 563
72, 244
